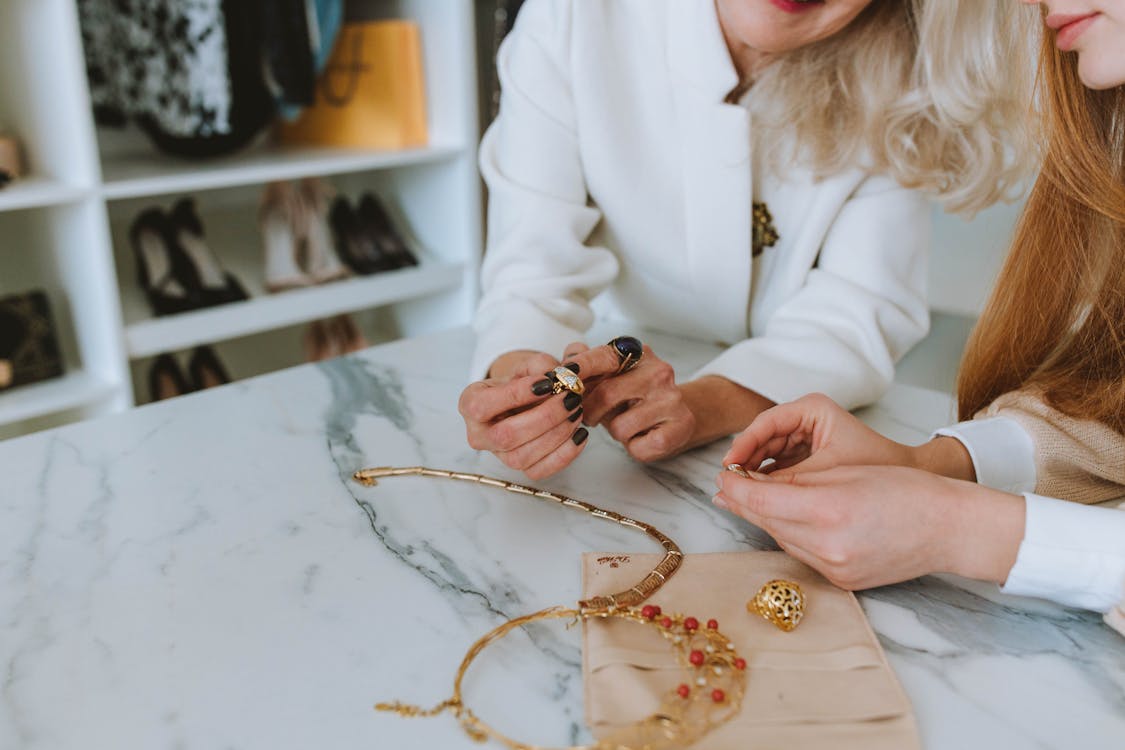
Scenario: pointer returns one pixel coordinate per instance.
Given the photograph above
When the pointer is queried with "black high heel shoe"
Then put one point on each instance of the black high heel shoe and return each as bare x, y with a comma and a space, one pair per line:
356, 248
166, 379
165, 274
216, 285
377, 223
206, 369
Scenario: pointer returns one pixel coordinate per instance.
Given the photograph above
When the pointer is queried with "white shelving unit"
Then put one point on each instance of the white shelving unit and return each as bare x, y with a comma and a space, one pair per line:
64, 228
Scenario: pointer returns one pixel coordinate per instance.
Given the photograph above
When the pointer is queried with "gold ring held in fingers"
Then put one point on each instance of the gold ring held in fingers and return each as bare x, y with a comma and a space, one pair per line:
780, 602
567, 380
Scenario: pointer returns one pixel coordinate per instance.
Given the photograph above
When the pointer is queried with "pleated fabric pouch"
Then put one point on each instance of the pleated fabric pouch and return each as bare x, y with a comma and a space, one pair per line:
826, 684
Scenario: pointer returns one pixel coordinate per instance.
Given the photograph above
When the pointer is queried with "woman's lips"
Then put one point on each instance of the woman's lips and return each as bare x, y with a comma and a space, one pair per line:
1068, 27
792, 6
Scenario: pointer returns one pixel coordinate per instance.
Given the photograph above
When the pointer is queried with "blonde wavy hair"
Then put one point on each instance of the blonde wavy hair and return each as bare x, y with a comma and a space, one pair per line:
935, 93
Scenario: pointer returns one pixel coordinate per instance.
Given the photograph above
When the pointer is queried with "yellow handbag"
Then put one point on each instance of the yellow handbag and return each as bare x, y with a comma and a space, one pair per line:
372, 93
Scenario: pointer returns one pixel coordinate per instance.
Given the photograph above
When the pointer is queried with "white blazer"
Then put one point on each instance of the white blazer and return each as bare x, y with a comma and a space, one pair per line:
616, 170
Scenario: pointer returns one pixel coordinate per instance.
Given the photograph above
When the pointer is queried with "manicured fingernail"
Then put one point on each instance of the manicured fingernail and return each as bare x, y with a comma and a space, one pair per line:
573, 367
575, 416
542, 387
718, 502
571, 400
580, 435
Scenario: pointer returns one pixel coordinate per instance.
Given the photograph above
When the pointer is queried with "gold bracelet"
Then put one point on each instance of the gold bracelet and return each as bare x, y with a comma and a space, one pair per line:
711, 696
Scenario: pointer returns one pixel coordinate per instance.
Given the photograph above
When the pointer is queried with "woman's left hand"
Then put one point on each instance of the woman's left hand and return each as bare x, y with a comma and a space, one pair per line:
867, 526
643, 409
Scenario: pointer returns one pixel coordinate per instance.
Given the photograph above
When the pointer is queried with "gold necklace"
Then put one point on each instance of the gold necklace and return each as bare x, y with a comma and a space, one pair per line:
712, 694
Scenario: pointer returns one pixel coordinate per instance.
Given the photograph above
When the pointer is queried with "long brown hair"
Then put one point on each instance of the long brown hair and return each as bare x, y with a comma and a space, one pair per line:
1056, 319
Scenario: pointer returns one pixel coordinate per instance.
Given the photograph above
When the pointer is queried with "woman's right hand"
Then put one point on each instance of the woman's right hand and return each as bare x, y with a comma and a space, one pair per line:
514, 415
813, 433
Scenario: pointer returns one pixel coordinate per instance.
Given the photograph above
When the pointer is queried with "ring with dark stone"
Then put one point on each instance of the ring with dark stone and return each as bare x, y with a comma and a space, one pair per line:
629, 352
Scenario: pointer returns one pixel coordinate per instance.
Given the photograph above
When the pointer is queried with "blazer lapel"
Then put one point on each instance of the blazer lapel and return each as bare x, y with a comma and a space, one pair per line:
717, 181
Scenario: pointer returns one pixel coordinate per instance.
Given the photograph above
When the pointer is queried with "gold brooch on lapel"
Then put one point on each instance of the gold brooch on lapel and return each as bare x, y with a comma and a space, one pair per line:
764, 233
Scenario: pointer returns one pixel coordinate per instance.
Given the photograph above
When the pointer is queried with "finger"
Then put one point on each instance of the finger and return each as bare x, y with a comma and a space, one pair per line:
534, 451
659, 442
770, 430
561, 457
573, 349
615, 395
801, 554
487, 401
597, 362
775, 499
814, 464
534, 365
637, 419
783, 531
510, 433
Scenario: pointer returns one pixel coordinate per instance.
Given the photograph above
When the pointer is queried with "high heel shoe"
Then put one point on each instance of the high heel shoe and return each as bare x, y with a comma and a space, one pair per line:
279, 238
216, 285
356, 247
164, 273
348, 335
321, 261
206, 369
377, 222
166, 379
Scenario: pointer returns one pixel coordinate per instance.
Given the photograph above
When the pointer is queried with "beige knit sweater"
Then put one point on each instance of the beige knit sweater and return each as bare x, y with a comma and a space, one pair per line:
1078, 460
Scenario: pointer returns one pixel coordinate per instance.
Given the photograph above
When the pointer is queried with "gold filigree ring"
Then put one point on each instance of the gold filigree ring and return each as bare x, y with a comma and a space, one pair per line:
566, 380
780, 602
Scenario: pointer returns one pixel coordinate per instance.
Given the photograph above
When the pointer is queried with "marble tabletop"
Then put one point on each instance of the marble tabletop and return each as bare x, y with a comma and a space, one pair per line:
203, 573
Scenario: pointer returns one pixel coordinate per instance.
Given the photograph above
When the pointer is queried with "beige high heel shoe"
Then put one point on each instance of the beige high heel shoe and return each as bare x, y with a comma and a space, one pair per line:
321, 261
280, 247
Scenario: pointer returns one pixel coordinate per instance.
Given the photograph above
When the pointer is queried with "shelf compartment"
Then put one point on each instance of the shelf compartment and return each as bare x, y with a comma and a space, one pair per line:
71, 391
39, 192
139, 175
258, 314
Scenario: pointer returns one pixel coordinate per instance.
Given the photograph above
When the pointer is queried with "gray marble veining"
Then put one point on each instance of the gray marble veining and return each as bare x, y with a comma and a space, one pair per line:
203, 573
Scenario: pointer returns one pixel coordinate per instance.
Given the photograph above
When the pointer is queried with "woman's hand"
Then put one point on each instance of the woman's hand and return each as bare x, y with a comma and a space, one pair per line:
516, 417
643, 409
814, 433
864, 526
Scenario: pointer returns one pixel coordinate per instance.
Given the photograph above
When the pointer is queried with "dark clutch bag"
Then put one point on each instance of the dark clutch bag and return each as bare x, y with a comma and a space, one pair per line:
29, 349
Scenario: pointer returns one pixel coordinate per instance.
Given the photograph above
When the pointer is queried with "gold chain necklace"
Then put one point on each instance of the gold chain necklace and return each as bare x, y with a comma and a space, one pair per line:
711, 695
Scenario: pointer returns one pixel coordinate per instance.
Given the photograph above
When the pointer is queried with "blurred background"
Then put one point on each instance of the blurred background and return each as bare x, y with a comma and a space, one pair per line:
194, 193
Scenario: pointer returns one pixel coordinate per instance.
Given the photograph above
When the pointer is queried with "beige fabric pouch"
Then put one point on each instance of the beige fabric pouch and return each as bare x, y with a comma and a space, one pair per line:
826, 684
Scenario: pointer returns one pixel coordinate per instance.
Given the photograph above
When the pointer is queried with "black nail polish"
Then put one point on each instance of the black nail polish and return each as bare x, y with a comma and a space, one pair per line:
542, 388
575, 416
573, 367
580, 435
572, 400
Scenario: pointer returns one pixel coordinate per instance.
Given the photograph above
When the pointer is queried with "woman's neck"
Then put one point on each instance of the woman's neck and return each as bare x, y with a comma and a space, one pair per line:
748, 62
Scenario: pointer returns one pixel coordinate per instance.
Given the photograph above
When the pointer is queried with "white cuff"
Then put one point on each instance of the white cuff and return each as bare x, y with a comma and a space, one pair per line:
1003, 453
1072, 554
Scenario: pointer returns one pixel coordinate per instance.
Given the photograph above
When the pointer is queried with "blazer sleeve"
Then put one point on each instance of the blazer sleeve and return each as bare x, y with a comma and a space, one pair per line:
862, 306
1080, 460
538, 275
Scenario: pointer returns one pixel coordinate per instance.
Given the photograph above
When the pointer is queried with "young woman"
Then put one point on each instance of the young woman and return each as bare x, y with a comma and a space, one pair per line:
1044, 377
753, 171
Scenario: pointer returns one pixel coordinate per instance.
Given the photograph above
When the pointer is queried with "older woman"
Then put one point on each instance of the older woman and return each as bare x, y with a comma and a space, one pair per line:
750, 171
1043, 380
